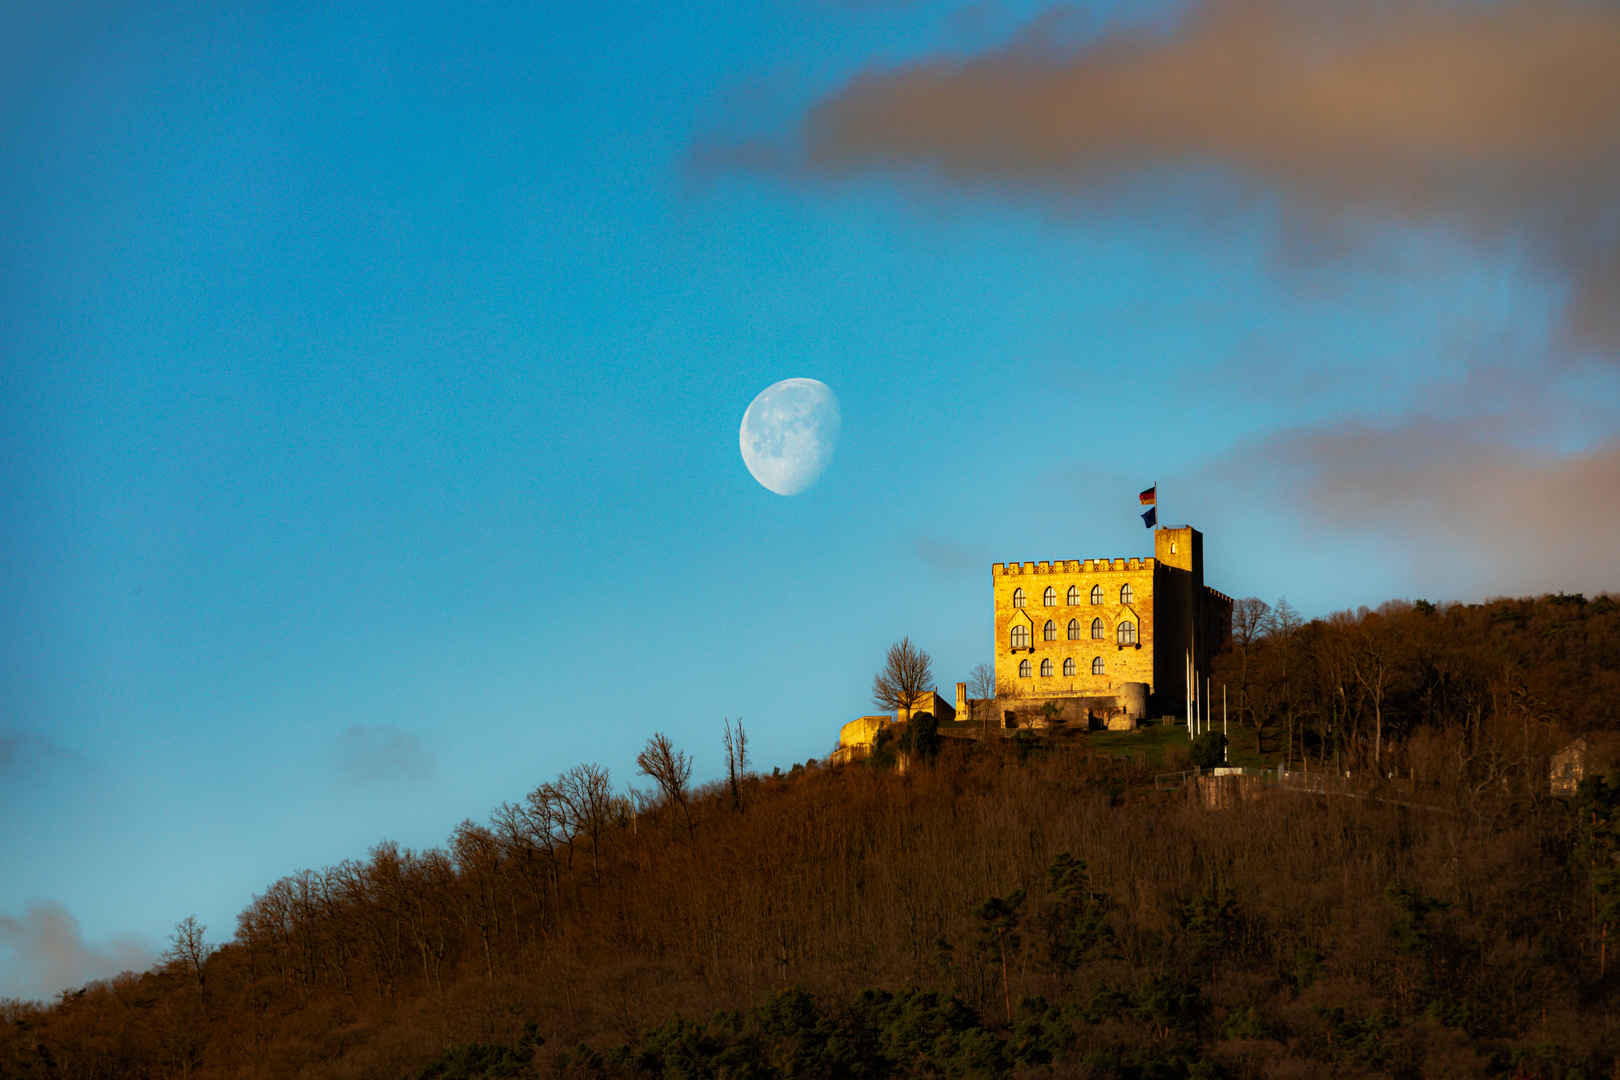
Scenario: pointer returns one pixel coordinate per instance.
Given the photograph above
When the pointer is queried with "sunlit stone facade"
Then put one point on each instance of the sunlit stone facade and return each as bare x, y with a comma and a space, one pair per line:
1108, 628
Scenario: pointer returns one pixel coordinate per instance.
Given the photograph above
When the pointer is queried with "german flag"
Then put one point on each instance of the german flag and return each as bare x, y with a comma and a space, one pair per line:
1150, 497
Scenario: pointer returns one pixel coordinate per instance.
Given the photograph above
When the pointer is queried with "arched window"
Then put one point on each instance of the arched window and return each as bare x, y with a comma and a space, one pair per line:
1018, 597
1023, 669
1074, 595
1068, 666
1127, 633
1049, 597
1046, 669
1074, 629
1096, 629
1124, 594
1020, 636
1049, 631
1097, 666
1096, 594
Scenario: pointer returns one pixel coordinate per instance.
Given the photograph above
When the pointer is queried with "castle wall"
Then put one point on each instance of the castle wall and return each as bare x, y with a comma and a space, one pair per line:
929, 702
1121, 663
1077, 712
1174, 611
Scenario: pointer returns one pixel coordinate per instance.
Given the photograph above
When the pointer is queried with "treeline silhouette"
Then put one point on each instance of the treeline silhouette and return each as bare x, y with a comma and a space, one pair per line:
1008, 908
1390, 688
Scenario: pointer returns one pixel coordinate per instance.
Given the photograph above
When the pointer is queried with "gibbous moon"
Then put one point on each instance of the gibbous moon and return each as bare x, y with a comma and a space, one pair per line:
789, 434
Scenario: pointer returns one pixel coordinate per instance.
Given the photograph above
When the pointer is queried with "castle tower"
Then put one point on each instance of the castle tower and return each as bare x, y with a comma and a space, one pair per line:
1178, 588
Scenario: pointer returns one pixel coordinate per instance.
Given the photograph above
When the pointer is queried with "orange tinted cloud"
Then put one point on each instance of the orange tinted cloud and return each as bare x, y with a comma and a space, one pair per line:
1462, 506
1503, 119
43, 952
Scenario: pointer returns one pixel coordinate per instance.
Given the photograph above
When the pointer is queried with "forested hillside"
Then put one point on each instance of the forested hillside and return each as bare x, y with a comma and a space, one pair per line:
1024, 907
1362, 685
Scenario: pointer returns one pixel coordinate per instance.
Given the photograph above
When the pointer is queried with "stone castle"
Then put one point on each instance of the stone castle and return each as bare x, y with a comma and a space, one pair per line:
1090, 642
1109, 640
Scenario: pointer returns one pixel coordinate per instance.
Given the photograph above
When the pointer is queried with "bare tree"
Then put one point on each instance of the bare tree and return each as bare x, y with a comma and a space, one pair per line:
520, 841
1281, 626
736, 761
1334, 660
671, 770
982, 682
981, 686
188, 950
550, 826
477, 854
1250, 617
587, 796
907, 673
1373, 661
632, 805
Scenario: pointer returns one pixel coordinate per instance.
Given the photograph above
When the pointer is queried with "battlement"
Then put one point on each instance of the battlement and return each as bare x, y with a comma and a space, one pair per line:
1070, 566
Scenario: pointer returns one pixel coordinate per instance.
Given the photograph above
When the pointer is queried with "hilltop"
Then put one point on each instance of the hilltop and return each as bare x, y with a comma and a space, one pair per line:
1032, 905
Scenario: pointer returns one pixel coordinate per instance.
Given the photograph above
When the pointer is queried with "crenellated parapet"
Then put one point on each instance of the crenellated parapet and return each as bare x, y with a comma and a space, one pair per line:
1070, 566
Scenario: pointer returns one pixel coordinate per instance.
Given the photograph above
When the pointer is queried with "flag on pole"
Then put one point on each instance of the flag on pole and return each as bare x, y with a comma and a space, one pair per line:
1150, 497
1151, 518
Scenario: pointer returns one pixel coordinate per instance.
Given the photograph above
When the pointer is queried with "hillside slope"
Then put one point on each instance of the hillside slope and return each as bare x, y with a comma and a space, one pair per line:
1026, 908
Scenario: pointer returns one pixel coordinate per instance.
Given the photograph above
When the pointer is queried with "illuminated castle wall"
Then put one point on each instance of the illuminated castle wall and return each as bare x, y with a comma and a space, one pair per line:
1085, 628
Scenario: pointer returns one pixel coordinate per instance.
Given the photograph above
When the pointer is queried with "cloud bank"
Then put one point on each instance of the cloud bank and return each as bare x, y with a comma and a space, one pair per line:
366, 753
1458, 506
42, 953
1500, 119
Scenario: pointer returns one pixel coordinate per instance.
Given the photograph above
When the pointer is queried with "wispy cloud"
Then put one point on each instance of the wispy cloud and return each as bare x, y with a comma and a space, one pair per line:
366, 753
952, 558
1463, 509
20, 750
1502, 120
42, 952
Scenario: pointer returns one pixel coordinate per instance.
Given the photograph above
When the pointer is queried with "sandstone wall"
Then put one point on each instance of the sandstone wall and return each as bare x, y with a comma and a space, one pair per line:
1121, 663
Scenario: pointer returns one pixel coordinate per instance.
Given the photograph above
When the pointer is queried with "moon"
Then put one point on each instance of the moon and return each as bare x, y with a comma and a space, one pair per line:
789, 434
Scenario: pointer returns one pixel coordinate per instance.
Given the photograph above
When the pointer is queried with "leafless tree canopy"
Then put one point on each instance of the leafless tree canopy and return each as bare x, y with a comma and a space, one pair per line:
1250, 617
671, 770
736, 741
587, 801
188, 950
982, 682
907, 673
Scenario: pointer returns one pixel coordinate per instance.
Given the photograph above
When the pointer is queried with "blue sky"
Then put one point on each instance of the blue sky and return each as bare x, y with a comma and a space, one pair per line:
372, 378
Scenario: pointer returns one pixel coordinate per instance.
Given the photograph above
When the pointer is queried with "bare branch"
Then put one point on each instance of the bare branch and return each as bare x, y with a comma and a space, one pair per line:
671, 770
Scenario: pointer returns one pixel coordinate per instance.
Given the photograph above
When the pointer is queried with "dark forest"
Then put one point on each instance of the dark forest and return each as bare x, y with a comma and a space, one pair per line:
1028, 906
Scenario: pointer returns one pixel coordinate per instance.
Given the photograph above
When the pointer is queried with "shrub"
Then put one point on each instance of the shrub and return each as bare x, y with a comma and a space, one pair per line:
1209, 750
923, 731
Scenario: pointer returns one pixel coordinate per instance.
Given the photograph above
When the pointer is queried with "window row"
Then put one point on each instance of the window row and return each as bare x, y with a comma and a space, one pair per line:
1049, 597
1025, 667
1125, 633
